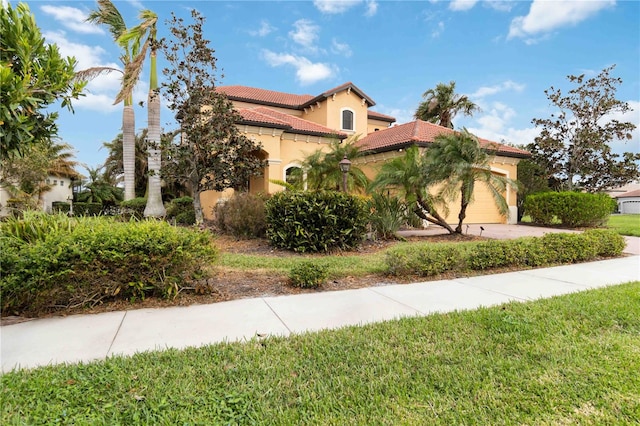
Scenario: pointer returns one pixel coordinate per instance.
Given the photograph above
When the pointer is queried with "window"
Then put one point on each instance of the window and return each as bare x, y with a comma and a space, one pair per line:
55, 181
61, 183
347, 119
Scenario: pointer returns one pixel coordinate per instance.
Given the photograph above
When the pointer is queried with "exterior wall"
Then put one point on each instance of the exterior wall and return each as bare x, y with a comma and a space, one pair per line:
60, 191
317, 113
353, 102
372, 125
482, 209
281, 149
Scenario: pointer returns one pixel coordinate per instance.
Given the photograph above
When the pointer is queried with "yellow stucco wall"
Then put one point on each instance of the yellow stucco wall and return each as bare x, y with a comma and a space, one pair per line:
373, 124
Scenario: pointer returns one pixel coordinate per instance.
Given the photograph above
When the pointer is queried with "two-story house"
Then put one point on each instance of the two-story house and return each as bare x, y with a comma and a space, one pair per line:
290, 127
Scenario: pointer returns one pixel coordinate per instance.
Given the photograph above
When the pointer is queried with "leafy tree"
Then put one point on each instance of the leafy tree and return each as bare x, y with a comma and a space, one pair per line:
323, 168
33, 77
532, 179
456, 162
441, 104
573, 146
211, 153
107, 14
144, 37
407, 176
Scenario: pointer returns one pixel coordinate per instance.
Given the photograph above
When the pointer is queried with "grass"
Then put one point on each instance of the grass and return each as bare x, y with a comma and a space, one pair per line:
625, 224
566, 360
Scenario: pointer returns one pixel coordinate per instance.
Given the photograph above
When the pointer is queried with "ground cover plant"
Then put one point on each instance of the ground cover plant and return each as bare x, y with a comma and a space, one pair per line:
565, 360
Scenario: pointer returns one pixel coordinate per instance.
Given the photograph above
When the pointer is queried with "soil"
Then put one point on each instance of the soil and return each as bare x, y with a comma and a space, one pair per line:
230, 284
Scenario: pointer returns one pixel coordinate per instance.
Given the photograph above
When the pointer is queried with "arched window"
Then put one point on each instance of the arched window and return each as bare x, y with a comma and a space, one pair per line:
347, 119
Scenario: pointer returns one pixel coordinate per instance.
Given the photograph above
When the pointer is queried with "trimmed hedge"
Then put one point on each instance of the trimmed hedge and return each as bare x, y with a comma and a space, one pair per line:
552, 248
55, 262
573, 209
182, 211
315, 221
133, 208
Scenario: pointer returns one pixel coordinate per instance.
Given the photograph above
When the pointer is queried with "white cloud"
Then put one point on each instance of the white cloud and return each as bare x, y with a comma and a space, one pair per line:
372, 8
265, 29
340, 48
461, 5
546, 16
305, 33
307, 72
136, 3
87, 56
402, 115
492, 90
72, 18
438, 30
336, 6
494, 124
502, 6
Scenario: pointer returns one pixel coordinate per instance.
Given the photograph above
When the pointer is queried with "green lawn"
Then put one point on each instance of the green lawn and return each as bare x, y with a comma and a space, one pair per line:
567, 360
625, 224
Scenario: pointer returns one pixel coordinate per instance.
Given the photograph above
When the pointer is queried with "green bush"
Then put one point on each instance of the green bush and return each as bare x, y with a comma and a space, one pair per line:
87, 209
242, 216
133, 208
181, 210
426, 260
552, 248
315, 221
572, 209
387, 215
308, 274
57, 262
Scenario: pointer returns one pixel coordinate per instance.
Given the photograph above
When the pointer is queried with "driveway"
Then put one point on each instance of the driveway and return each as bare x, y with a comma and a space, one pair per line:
500, 231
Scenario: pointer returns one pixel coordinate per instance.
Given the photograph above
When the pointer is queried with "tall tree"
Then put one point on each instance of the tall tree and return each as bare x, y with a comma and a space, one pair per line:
99, 189
144, 38
574, 143
33, 77
456, 162
114, 166
406, 175
441, 104
211, 154
107, 14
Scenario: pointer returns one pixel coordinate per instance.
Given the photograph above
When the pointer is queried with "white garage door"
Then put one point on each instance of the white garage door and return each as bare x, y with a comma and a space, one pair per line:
630, 207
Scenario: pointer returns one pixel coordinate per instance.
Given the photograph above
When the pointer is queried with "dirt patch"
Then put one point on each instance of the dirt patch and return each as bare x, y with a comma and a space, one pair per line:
231, 284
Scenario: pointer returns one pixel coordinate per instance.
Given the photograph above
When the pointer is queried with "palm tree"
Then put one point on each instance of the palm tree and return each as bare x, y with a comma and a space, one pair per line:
114, 165
143, 37
407, 176
441, 104
107, 14
457, 161
98, 189
323, 170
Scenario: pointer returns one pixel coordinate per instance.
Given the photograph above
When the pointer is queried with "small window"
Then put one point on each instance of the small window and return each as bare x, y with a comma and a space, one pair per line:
55, 181
347, 120
61, 183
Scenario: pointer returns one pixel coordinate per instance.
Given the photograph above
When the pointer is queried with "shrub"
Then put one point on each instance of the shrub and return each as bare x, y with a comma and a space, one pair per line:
57, 262
133, 208
87, 209
242, 216
426, 260
573, 209
550, 249
315, 221
387, 215
182, 211
308, 274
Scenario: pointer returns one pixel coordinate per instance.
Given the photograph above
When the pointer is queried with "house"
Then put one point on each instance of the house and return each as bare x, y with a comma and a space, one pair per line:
291, 126
629, 202
59, 186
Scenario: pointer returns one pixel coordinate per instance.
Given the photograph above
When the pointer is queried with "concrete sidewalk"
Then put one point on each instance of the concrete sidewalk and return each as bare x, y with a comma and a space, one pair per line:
81, 338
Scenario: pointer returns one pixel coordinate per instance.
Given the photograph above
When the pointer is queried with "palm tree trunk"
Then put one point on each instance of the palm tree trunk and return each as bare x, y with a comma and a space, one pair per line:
154, 207
437, 219
129, 151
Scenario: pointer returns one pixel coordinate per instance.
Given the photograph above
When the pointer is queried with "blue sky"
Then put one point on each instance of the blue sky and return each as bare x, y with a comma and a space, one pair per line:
503, 54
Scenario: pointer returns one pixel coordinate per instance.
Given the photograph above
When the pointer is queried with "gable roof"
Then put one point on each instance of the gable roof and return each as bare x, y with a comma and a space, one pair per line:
423, 134
272, 119
287, 100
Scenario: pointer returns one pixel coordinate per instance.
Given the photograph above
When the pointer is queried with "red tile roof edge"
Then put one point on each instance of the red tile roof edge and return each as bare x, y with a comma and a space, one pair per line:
269, 118
634, 193
380, 116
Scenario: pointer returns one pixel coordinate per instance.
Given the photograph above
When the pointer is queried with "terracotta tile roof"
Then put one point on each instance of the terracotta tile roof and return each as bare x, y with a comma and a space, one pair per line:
380, 116
422, 133
635, 193
338, 89
274, 119
264, 97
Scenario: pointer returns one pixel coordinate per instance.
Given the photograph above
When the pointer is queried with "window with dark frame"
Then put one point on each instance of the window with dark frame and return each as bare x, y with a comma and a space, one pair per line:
347, 120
